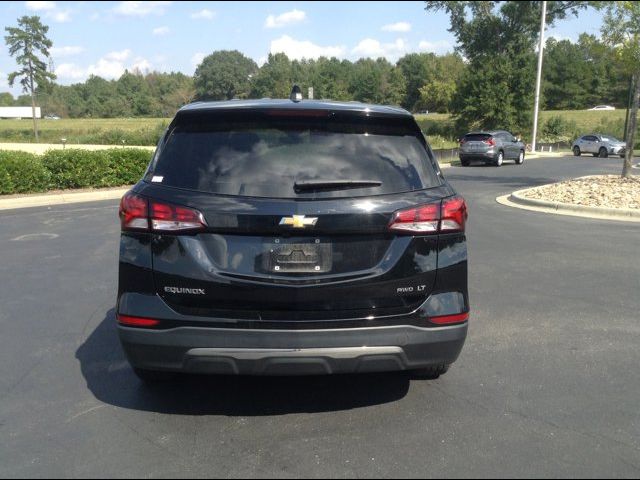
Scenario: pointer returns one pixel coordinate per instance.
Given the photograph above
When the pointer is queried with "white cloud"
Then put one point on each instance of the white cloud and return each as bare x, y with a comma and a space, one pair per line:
397, 27
66, 51
440, 46
50, 10
299, 49
60, 16
197, 58
161, 31
111, 66
141, 8
120, 56
40, 6
204, 14
284, 19
141, 65
371, 48
70, 71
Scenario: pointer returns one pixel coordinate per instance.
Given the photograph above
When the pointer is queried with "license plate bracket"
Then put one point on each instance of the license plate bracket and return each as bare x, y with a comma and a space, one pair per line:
298, 257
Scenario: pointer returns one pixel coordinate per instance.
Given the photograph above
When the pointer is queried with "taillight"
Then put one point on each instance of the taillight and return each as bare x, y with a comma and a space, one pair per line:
139, 213
454, 215
129, 321
449, 319
172, 218
423, 219
448, 216
463, 141
490, 141
134, 212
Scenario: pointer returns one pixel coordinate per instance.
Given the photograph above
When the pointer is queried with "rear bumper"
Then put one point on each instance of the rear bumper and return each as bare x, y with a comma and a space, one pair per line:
287, 352
478, 155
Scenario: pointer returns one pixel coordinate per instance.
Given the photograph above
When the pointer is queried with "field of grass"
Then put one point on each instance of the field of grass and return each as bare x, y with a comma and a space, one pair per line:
146, 131
99, 131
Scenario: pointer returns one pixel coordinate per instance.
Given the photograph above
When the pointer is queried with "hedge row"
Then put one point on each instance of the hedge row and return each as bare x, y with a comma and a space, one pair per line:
22, 172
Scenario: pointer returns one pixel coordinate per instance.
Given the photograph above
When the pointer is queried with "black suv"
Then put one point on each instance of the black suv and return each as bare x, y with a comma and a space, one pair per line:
280, 237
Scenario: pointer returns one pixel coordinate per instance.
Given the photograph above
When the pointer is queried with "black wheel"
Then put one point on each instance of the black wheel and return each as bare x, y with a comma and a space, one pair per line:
154, 376
499, 159
602, 153
520, 159
430, 373
576, 151
465, 163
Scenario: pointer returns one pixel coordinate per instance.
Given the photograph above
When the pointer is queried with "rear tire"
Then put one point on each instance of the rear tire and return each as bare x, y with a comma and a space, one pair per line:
465, 163
576, 151
429, 373
154, 377
602, 153
499, 159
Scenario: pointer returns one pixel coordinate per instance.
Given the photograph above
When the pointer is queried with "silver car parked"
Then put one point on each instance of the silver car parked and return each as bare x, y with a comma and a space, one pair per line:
493, 147
598, 145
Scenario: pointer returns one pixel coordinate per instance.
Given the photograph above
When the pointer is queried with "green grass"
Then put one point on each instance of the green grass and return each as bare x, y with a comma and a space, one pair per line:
99, 131
146, 131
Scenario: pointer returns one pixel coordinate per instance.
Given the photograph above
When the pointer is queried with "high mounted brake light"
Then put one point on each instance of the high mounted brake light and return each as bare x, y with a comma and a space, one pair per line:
138, 213
446, 217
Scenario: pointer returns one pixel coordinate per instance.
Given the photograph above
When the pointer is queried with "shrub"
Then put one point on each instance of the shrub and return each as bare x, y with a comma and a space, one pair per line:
74, 168
22, 172
126, 165
558, 129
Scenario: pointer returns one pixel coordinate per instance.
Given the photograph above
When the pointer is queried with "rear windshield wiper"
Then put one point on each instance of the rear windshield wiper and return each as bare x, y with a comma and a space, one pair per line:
316, 185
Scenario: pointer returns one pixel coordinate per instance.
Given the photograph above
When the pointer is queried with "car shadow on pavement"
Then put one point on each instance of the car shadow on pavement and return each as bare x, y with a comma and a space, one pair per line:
112, 381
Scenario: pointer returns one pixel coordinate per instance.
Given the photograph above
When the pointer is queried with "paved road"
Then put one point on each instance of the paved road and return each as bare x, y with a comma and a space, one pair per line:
547, 385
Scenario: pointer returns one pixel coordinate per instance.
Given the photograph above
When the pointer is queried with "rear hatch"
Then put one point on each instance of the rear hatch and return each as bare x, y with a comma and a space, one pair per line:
295, 213
476, 143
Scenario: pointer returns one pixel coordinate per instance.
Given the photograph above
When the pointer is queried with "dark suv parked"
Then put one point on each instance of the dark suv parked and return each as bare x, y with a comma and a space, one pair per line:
279, 237
492, 147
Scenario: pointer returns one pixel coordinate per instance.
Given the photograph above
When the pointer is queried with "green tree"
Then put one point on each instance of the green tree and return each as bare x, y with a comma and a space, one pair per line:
274, 79
28, 42
6, 99
621, 30
376, 81
331, 78
437, 95
224, 75
498, 40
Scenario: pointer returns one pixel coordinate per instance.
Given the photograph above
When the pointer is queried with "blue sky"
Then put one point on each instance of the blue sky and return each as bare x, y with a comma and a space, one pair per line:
104, 38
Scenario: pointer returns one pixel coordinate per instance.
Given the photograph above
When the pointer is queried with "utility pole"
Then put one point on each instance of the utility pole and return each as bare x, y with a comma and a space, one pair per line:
539, 78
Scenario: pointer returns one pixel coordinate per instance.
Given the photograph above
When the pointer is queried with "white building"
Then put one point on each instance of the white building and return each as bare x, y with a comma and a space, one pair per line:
18, 112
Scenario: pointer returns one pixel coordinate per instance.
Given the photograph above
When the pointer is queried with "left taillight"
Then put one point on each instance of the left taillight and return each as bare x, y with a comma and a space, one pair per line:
447, 216
134, 212
139, 213
139, 322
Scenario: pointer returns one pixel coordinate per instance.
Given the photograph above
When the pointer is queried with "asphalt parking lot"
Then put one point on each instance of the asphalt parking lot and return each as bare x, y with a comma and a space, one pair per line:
548, 384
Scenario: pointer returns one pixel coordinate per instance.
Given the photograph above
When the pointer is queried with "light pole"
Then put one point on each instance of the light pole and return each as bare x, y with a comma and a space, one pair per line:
539, 78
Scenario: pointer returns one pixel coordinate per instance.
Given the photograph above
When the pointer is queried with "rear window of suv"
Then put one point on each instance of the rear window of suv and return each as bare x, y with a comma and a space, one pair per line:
266, 154
477, 137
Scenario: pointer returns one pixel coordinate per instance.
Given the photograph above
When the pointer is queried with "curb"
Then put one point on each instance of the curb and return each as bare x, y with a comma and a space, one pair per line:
518, 200
62, 198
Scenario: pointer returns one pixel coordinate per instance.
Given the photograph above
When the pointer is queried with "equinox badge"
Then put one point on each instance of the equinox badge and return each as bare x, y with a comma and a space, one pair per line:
299, 221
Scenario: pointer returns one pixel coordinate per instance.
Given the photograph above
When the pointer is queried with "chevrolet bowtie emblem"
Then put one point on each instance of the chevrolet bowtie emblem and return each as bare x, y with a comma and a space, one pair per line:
299, 221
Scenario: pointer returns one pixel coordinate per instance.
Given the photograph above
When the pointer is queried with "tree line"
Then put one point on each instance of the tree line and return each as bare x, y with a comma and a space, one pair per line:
577, 75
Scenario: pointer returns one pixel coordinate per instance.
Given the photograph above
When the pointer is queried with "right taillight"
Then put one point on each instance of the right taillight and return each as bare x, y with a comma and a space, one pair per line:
139, 213
454, 215
448, 216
